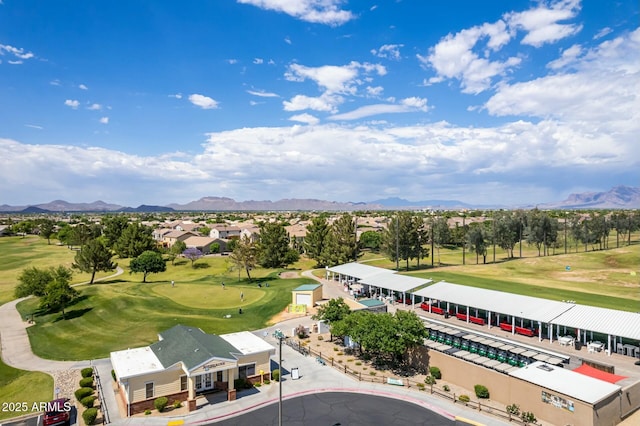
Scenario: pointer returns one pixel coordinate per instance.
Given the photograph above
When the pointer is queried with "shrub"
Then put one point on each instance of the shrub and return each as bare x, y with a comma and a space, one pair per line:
528, 417
87, 372
339, 361
301, 332
358, 363
481, 391
373, 373
275, 375
267, 381
257, 385
89, 415
113, 375
435, 372
513, 409
430, 380
82, 392
335, 349
420, 386
88, 401
464, 398
320, 338
177, 404
446, 388
160, 403
87, 382
147, 412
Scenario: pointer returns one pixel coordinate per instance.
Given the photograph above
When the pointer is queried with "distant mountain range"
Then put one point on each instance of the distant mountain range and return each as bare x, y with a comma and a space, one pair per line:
619, 197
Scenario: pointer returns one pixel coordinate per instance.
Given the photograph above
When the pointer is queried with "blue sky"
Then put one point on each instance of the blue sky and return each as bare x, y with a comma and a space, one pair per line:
153, 102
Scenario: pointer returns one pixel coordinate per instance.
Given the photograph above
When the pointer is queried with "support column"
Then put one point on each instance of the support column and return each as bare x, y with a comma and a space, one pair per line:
467, 314
609, 344
231, 392
513, 325
489, 319
539, 331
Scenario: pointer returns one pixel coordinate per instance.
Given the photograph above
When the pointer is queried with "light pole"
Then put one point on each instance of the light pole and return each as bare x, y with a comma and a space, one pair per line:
278, 334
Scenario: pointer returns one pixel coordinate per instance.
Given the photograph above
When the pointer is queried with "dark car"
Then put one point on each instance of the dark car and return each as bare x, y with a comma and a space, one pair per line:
57, 412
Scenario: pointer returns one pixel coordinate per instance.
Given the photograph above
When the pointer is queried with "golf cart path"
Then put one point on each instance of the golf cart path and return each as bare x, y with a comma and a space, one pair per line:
16, 348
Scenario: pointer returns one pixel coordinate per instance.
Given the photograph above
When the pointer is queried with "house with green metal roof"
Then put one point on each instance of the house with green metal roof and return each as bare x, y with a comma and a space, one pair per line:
185, 362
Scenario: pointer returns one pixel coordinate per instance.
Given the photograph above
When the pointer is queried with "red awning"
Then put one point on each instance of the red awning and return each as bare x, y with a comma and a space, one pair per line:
598, 374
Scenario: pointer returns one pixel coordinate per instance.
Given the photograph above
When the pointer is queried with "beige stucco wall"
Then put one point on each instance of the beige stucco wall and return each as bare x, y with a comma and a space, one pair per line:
316, 295
510, 390
165, 383
262, 361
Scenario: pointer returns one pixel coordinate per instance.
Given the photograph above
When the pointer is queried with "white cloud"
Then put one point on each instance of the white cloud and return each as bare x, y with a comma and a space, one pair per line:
406, 105
305, 118
72, 103
389, 51
15, 51
55, 82
232, 61
332, 78
34, 126
18, 62
258, 61
603, 32
287, 40
104, 120
83, 87
325, 102
317, 11
203, 102
568, 57
95, 107
542, 23
262, 94
176, 96
374, 91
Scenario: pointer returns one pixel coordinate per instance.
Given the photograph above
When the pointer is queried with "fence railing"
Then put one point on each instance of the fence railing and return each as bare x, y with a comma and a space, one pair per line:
420, 386
103, 403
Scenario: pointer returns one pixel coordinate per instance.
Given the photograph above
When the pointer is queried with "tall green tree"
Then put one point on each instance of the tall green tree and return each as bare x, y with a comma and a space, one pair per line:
332, 311
441, 234
274, 250
477, 242
340, 245
148, 262
371, 240
51, 285
113, 227
46, 227
93, 257
315, 239
135, 239
59, 292
81, 234
244, 255
404, 238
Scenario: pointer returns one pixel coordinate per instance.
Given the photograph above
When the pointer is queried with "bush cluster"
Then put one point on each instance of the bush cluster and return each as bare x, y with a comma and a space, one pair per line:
435, 372
83, 392
87, 372
160, 403
113, 375
481, 391
89, 415
87, 382
430, 380
275, 375
177, 404
88, 401
464, 398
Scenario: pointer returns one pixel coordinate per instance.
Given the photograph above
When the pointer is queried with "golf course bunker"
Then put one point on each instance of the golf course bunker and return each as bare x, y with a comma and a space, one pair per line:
341, 408
209, 296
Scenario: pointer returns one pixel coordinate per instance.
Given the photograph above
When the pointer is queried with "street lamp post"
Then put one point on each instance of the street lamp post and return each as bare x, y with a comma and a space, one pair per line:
278, 334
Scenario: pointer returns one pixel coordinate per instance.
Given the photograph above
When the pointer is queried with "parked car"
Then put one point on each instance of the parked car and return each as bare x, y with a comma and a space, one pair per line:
57, 412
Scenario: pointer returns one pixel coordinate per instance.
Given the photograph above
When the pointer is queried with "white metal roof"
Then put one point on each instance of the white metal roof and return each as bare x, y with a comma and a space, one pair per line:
527, 307
574, 385
248, 343
602, 320
358, 270
134, 362
395, 282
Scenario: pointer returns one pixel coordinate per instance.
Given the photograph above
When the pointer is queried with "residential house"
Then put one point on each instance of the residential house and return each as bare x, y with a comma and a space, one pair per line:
174, 236
224, 231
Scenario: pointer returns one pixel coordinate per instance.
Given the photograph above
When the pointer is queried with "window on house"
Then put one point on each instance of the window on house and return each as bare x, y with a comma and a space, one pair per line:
219, 376
247, 371
183, 383
148, 388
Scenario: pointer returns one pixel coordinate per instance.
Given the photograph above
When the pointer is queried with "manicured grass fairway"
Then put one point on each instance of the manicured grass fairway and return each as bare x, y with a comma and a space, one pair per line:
18, 386
122, 315
19, 253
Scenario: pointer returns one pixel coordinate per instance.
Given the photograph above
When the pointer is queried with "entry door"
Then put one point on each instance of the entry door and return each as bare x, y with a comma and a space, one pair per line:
208, 380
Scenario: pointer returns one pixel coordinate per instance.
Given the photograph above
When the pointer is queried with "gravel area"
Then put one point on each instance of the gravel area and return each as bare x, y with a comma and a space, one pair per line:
66, 382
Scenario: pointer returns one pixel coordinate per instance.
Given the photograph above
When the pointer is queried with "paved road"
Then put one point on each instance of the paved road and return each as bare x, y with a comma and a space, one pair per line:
326, 409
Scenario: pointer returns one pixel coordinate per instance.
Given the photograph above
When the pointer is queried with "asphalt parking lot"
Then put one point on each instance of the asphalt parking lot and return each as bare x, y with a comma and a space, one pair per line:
341, 409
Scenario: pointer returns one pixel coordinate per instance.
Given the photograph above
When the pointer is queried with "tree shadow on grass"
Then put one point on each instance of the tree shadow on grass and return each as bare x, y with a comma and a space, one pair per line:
113, 281
201, 266
77, 313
